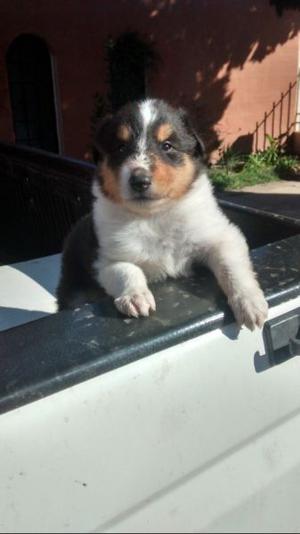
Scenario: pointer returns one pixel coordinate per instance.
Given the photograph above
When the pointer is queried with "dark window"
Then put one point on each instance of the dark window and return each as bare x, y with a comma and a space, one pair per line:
31, 93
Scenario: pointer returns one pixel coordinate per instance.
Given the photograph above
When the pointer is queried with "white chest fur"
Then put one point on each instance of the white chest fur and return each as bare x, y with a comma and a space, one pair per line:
162, 245
156, 245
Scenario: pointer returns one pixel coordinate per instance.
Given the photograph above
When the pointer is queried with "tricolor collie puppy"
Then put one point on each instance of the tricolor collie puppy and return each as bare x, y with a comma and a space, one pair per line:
154, 215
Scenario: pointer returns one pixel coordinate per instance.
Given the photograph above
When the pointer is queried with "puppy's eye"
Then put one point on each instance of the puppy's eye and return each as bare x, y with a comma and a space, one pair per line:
121, 147
166, 146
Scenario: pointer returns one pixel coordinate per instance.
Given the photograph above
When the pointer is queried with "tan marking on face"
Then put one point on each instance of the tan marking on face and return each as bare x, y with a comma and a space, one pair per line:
172, 182
109, 182
124, 132
163, 132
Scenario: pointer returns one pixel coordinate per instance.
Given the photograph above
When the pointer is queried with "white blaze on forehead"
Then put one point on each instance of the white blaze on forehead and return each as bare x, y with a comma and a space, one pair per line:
149, 113
139, 160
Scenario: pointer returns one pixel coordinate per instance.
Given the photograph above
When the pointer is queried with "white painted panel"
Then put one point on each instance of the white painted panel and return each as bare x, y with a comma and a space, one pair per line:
190, 439
27, 290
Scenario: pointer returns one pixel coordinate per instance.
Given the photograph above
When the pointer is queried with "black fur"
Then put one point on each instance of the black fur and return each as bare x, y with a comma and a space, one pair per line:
77, 284
184, 139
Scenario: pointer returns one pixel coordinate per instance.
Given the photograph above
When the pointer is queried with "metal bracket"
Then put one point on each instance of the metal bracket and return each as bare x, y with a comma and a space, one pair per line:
282, 337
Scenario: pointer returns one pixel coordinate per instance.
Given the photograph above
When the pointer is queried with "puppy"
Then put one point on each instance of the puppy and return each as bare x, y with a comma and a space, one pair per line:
154, 215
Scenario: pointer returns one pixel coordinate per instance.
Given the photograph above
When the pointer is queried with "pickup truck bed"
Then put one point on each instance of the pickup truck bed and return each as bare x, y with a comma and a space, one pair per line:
202, 435
63, 349
174, 423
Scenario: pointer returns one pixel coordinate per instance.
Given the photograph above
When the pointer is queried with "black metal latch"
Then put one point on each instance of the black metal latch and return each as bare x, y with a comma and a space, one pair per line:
282, 337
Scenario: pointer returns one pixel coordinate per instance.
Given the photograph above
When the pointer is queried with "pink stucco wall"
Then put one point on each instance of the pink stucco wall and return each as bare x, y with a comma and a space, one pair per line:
227, 61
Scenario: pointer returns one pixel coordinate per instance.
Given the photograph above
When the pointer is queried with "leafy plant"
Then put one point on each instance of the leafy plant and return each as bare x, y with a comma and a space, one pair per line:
235, 170
129, 59
231, 160
270, 156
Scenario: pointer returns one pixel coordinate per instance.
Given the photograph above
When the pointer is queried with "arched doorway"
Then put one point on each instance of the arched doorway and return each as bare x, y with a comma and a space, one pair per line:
31, 93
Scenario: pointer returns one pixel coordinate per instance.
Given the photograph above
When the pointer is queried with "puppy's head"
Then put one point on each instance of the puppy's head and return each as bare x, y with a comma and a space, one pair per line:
150, 155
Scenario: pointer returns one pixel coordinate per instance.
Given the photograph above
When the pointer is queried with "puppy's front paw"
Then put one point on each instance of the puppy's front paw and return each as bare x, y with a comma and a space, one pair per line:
250, 308
136, 304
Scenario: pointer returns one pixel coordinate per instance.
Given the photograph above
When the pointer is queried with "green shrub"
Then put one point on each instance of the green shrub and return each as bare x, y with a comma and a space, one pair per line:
235, 170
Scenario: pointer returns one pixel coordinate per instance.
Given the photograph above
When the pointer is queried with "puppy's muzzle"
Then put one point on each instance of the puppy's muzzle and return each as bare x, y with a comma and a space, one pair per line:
139, 181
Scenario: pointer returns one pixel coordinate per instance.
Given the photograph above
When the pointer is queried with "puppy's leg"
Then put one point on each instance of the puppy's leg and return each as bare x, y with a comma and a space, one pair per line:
128, 285
228, 258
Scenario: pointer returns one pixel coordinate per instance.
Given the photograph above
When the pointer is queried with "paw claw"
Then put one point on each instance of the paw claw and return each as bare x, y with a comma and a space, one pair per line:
250, 309
136, 304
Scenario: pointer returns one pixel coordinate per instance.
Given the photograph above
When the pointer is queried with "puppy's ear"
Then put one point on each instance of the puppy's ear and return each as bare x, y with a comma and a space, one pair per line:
103, 134
199, 147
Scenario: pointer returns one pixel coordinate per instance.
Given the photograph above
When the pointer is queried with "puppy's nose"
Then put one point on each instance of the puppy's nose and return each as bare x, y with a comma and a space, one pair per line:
139, 180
